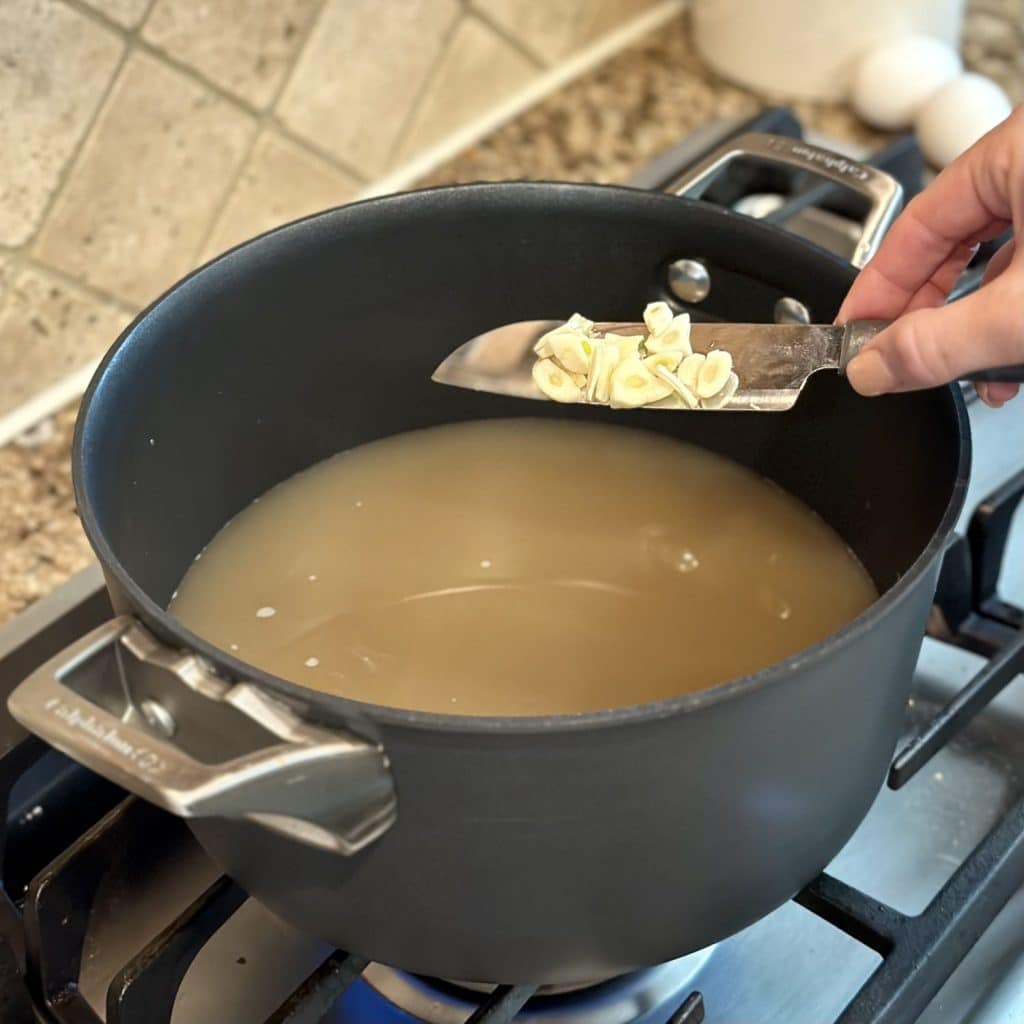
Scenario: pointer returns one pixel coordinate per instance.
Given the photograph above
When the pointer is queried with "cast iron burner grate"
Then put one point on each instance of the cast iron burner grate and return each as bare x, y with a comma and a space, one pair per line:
61, 869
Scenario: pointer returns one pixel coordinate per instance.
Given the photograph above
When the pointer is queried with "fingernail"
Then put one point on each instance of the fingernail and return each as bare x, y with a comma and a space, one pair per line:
870, 374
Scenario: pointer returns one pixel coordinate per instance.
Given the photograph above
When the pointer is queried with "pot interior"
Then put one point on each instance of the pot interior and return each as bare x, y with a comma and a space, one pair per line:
323, 335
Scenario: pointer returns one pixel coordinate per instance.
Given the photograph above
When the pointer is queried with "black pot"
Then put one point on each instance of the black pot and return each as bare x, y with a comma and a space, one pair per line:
557, 849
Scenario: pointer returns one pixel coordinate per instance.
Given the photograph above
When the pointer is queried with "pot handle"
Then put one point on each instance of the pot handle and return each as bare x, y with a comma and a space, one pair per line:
883, 192
160, 723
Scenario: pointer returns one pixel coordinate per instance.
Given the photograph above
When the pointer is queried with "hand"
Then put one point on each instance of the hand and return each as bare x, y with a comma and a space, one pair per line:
976, 198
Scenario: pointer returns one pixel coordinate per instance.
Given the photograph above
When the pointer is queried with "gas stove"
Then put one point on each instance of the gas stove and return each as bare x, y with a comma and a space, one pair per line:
110, 911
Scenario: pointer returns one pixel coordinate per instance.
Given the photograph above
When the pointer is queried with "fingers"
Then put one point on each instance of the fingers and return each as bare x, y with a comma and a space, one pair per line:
928, 347
996, 394
934, 291
971, 200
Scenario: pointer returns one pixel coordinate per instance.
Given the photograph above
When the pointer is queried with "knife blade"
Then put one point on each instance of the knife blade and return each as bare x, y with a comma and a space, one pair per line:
772, 361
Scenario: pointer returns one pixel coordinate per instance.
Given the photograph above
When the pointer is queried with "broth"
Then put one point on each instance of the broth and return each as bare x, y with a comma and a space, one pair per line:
521, 567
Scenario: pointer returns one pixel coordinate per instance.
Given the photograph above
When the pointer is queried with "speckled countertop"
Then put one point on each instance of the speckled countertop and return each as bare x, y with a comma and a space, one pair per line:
600, 128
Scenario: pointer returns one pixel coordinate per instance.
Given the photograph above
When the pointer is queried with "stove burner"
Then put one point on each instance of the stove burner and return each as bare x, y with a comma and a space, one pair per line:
645, 997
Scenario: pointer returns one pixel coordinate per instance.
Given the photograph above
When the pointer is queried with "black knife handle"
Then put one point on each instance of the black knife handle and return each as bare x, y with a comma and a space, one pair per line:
998, 374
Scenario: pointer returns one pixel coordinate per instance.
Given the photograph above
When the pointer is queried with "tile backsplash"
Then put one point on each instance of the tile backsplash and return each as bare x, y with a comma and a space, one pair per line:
141, 137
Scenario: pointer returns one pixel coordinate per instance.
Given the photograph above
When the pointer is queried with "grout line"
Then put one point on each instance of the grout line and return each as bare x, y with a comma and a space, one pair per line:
76, 151
275, 122
503, 33
141, 23
221, 208
543, 85
30, 262
97, 17
265, 116
287, 77
428, 80
261, 116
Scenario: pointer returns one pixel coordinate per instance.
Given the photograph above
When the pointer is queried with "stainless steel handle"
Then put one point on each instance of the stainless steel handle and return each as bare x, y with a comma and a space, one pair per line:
856, 334
884, 193
161, 724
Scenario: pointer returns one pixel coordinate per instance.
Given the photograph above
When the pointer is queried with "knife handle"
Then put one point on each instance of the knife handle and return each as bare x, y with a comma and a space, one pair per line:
859, 332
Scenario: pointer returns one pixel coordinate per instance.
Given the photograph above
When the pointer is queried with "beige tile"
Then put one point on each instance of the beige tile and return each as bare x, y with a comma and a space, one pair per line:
478, 71
360, 74
148, 183
599, 17
281, 182
244, 46
6, 273
125, 12
47, 330
545, 27
54, 67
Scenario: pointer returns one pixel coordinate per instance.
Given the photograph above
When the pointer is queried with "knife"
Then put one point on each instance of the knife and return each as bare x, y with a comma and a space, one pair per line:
772, 361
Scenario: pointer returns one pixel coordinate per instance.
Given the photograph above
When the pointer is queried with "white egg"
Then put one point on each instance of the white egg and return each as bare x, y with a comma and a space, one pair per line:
892, 81
958, 115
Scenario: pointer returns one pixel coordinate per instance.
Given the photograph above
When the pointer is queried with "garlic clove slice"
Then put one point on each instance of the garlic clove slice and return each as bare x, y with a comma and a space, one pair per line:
670, 360
657, 317
578, 322
723, 397
714, 373
625, 344
675, 337
689, 369
572, 349
686, 397
554, 381
633, 385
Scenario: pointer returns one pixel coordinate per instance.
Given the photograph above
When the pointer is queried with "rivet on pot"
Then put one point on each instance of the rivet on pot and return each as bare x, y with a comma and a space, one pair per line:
158, 717
689, 280
791, 311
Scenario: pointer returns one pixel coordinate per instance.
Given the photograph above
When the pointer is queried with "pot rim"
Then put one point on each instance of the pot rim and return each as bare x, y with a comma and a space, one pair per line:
346, 708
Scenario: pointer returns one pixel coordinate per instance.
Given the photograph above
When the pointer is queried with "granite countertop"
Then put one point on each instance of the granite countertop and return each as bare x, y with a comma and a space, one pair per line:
600, 128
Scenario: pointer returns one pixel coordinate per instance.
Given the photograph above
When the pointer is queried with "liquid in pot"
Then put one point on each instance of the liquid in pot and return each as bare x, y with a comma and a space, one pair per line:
521, 567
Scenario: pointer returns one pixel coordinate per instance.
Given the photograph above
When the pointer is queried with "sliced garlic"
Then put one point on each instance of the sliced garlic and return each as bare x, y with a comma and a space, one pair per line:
572, 349
714, 373
606, 358
670, 360
723, 397
626, 344
675, 337
597, 364
542, 347
578, 322
554, 381
689, 369
633, 385
657, 317
685, 395
579, 379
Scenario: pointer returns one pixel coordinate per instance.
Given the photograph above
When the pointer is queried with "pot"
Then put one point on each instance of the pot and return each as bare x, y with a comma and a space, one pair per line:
554, 849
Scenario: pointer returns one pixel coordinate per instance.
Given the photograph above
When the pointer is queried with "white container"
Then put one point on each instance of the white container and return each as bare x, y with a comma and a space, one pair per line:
796, 49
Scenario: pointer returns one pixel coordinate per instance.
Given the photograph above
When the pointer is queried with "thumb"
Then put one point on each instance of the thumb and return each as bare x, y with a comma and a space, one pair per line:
929, 347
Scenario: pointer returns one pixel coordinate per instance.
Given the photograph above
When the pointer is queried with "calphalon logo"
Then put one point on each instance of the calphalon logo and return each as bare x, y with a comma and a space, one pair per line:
142, 757
832, 161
